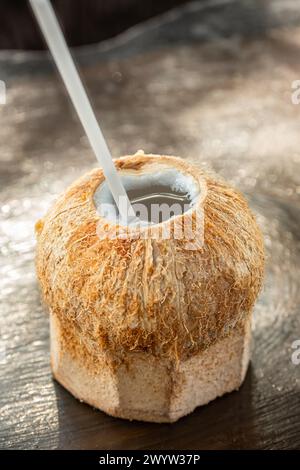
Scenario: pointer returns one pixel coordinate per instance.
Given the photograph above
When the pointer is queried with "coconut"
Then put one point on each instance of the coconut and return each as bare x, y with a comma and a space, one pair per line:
146, 326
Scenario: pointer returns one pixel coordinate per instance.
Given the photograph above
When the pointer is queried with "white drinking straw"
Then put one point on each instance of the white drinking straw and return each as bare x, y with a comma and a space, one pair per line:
53, 34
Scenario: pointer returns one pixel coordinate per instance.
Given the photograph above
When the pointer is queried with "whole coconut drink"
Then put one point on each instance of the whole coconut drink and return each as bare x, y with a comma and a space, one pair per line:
150, 268
150, 322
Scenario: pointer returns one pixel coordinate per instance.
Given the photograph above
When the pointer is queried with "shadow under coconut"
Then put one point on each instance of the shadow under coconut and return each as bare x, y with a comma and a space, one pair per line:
218, 425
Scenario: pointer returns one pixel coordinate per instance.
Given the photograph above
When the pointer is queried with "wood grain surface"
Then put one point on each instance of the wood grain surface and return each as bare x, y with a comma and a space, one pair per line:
221, 99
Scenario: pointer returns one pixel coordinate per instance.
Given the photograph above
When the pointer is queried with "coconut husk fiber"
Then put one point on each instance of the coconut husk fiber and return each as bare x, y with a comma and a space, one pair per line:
144, 294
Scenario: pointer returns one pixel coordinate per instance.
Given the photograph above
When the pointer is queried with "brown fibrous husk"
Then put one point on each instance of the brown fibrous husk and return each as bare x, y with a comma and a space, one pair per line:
143, 294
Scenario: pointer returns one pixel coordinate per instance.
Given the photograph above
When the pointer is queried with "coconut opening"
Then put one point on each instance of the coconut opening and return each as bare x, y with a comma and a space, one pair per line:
155, 196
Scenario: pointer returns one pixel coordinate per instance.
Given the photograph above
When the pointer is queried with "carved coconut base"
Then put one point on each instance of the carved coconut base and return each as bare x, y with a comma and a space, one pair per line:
149, 389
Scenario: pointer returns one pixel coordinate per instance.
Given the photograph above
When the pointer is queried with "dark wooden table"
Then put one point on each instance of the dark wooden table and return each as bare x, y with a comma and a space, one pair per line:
213, 84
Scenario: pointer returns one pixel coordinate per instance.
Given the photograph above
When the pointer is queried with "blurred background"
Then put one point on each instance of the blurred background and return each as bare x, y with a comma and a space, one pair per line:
208, 80
84, 21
